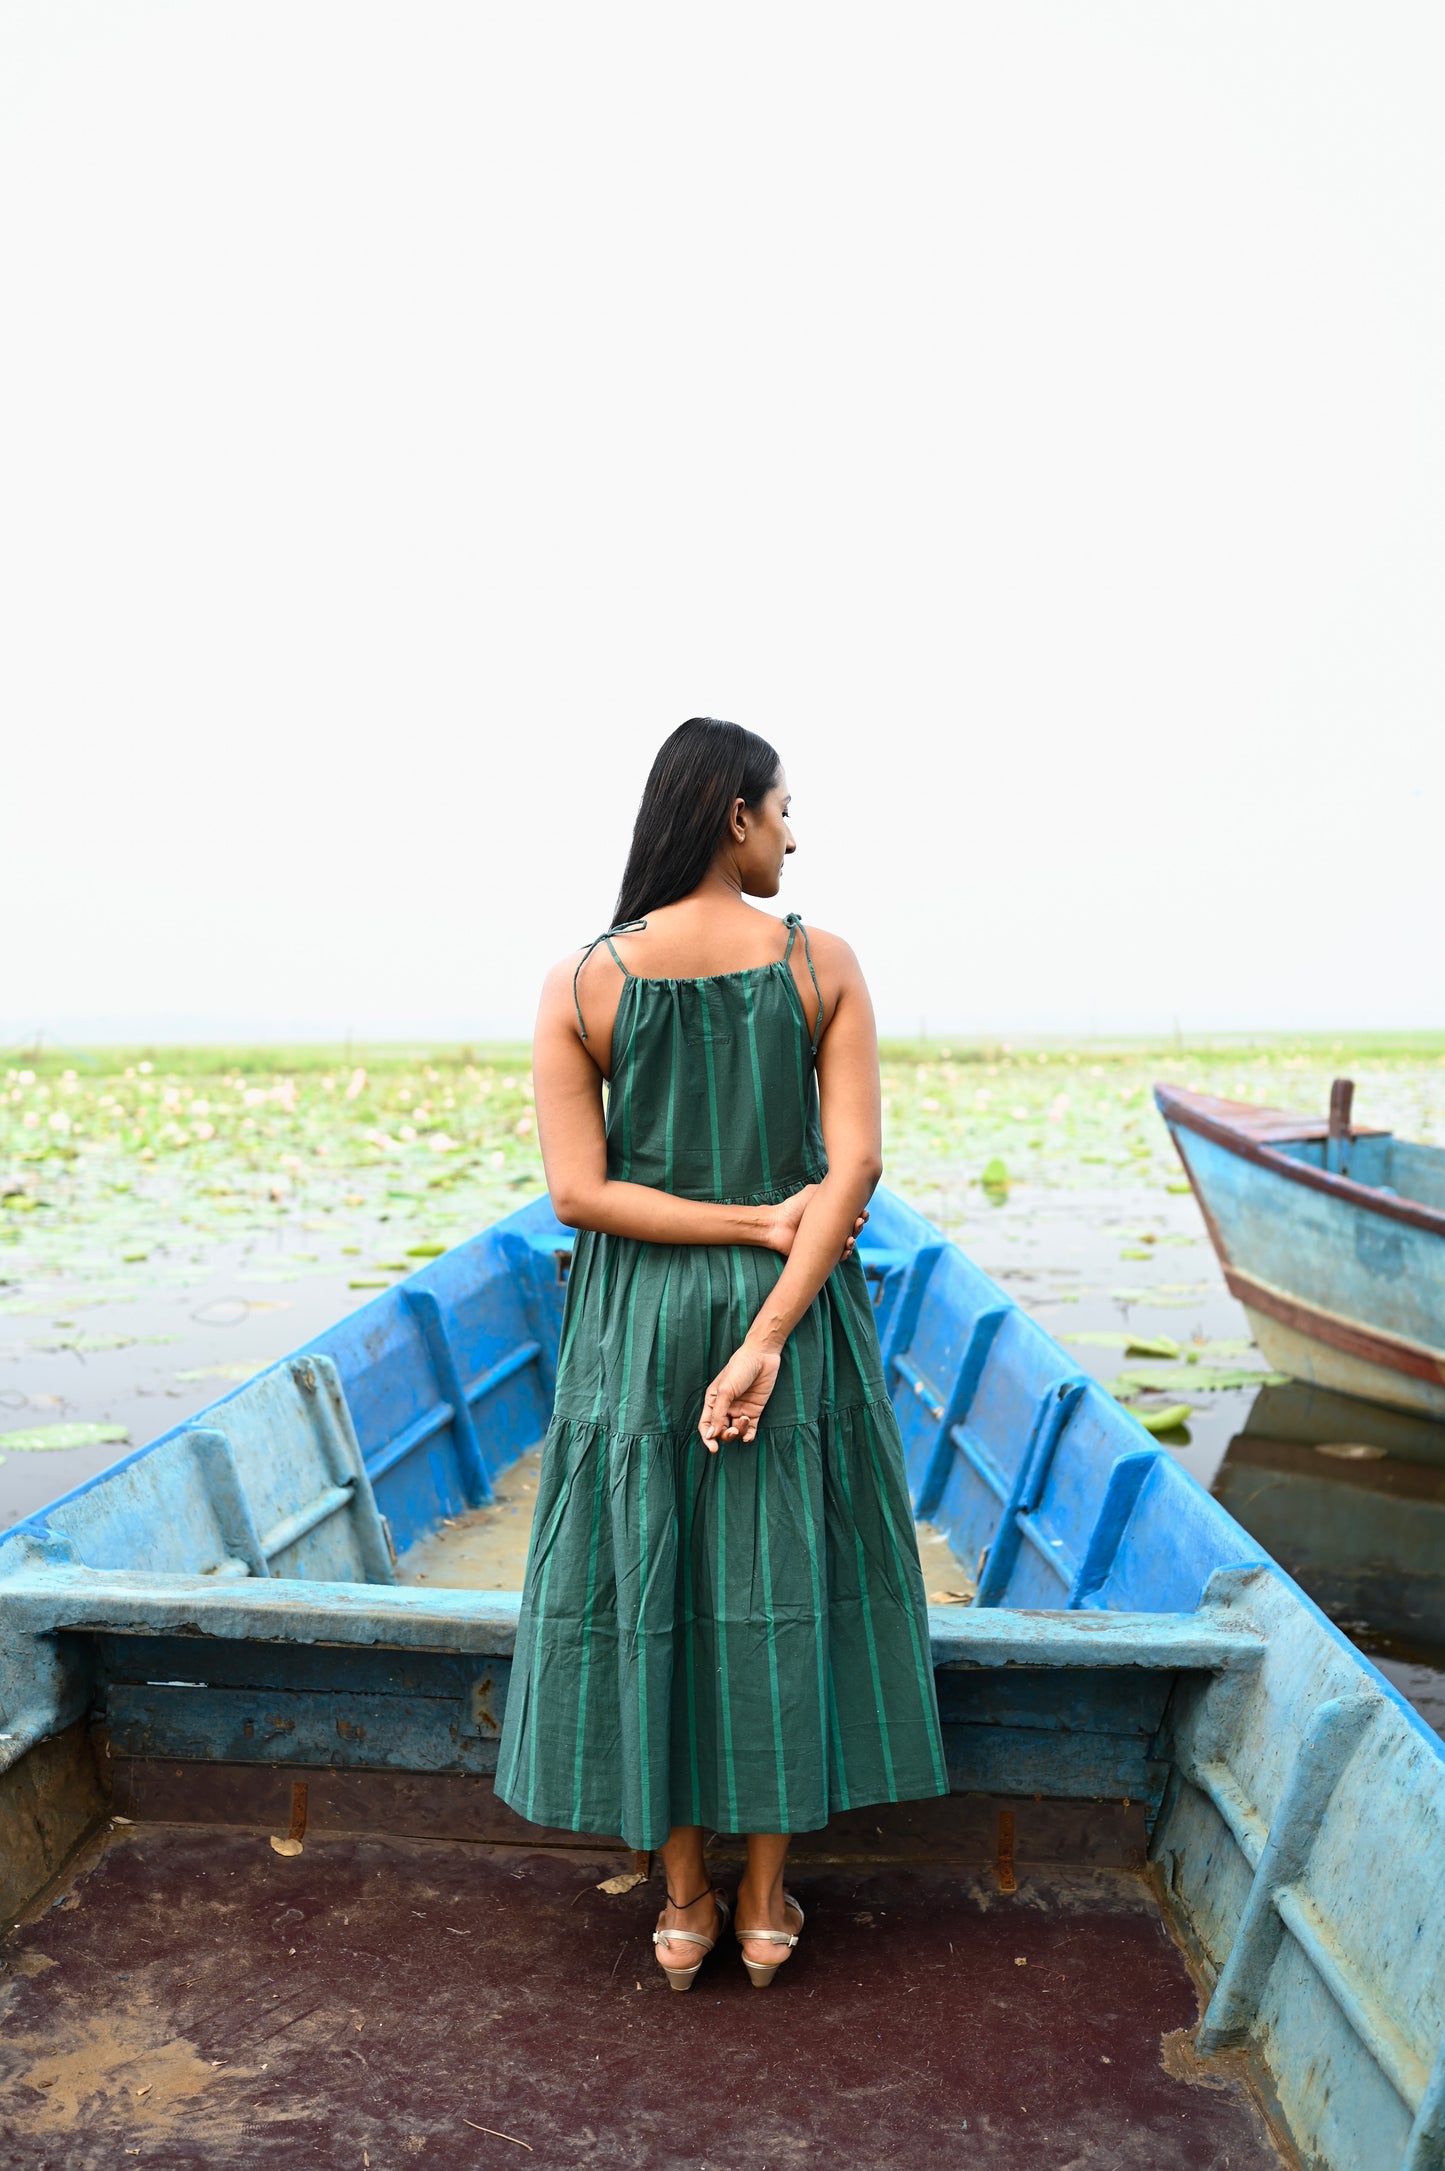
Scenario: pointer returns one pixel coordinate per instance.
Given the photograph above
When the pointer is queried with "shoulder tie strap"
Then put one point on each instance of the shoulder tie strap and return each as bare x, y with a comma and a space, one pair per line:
794, 924
620, 927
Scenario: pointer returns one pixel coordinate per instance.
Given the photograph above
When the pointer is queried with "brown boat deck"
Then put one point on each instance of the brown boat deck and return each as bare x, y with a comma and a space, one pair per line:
186, 1997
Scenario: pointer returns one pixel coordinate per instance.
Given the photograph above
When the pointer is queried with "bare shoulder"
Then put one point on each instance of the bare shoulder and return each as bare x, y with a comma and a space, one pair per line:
584, 958
570, 974
557, 982
577, 1004
834, 957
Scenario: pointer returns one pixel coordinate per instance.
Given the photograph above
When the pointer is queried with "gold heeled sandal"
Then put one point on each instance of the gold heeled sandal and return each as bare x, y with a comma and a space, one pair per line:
759, 1973
682, 1978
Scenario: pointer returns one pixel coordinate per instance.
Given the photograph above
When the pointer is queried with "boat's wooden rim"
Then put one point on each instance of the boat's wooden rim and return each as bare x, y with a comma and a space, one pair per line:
1392, 1351
1255, 1135
50, 1597
1344, 1334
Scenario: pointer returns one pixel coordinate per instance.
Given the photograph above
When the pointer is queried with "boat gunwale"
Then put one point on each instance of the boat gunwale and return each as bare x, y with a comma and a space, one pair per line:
1337, 1330
1178, 1105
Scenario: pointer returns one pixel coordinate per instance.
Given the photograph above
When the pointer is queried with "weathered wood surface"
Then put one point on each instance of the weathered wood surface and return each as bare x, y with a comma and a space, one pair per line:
49, 1802
961, 1828
49, 1598
215, 2007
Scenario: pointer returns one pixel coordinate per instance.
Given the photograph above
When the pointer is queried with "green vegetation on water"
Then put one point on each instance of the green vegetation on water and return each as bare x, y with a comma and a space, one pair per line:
123, 1171
112, 1166
112, 1150
1081, 1118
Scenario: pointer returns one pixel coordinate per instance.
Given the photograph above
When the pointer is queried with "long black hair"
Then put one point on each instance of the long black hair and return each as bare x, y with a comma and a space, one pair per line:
699, 773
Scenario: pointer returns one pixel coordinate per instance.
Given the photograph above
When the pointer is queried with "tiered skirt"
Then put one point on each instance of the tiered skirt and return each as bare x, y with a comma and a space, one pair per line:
737, 1640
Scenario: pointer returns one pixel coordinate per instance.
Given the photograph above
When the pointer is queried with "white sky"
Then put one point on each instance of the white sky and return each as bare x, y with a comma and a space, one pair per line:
1029, 416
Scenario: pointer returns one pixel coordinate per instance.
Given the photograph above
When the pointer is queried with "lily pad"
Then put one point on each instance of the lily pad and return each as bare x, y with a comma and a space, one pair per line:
1133, 1345
995, 1181
1166, 1420
425, 1251
1162, 1299
43, 1439
1197, 1379
89, 1345
239, 1370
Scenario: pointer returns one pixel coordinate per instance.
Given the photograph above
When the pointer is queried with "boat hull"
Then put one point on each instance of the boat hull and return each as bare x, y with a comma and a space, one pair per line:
1320, 1362
1343, 1282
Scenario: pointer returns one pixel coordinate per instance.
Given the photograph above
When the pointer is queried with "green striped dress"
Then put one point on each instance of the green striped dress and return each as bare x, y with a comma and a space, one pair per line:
737, 1640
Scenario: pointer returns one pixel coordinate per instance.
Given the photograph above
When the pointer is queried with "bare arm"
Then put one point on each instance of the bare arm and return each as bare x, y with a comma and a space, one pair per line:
573, 1137
852, 1131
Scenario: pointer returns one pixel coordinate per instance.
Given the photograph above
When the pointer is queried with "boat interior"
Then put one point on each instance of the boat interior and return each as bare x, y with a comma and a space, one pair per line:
1383, 1162
260, 1888
1334, 1143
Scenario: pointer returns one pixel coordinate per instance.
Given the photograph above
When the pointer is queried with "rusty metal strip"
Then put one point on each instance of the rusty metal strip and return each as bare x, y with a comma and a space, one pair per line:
1006, 1879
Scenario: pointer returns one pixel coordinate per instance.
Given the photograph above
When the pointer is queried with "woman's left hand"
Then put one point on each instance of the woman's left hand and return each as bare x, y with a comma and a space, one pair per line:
734, 1404
782, 1223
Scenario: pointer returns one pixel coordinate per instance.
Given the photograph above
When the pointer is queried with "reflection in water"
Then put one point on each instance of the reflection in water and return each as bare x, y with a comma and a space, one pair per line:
1350, 1498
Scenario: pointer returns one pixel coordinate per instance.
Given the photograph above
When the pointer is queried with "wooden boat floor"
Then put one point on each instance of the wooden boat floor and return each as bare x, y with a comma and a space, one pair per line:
194, 2000
486, 1548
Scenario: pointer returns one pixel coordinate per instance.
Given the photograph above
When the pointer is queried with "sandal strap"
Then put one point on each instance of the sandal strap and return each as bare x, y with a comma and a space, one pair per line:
695, 1937
774, 1937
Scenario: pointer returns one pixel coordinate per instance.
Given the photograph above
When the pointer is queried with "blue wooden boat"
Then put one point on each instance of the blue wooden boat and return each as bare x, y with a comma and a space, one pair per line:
1149, 1728
1331, 1235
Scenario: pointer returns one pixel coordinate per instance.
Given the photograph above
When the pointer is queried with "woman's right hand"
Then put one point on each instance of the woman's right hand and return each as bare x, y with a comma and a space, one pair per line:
734, 1403
781, 1225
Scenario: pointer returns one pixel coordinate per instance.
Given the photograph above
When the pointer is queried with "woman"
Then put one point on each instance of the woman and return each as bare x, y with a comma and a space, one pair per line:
723, 1621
